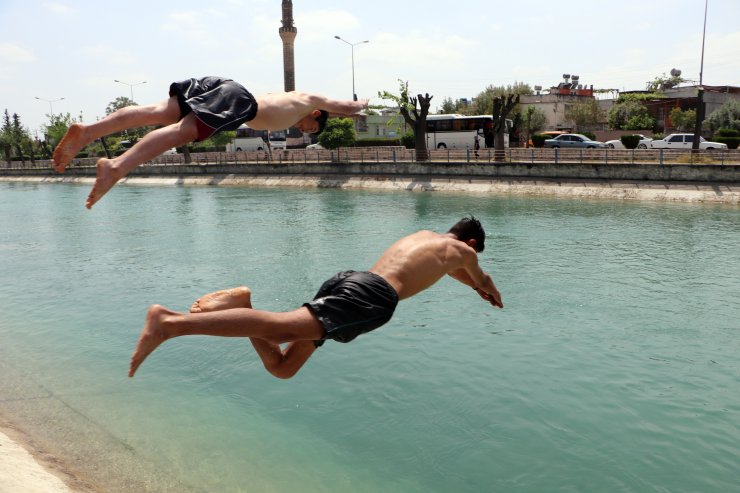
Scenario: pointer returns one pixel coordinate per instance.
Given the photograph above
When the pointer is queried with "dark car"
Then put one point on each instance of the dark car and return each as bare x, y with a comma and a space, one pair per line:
573, 141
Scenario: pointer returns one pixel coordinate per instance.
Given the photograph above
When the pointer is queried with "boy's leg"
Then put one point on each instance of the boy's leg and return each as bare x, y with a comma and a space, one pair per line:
109, 171
276, 328
79, 135
281, 363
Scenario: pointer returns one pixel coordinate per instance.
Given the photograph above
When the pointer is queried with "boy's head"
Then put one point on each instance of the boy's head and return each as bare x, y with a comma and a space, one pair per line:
469, 228
313, 123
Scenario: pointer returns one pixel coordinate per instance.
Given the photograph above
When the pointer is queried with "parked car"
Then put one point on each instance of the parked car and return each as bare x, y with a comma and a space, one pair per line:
170, 152
314, 146
684, 141
617, 144
573, 141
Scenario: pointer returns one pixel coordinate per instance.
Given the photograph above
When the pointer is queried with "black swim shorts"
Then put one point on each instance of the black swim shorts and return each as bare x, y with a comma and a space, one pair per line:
218, 103
352, 303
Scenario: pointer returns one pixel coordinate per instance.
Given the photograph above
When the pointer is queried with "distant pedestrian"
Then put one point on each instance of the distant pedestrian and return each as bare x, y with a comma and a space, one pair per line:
476, 146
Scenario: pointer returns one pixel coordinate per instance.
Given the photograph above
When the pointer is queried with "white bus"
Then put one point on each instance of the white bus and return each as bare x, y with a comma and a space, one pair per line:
452, 131
248, 139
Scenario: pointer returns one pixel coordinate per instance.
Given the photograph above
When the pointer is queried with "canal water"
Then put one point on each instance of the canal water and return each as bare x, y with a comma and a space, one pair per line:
614, 366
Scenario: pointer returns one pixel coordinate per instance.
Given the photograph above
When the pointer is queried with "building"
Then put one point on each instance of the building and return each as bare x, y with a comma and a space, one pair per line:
686, 98
556, 100
388, 123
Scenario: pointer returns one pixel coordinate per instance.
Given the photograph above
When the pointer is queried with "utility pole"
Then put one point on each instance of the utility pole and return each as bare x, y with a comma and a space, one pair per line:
700, 90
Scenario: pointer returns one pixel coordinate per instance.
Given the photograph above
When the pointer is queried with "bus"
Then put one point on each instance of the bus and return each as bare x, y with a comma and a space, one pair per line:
248, 139
452, 131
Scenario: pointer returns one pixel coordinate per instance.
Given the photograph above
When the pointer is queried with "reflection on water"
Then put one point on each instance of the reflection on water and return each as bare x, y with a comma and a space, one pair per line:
612, 368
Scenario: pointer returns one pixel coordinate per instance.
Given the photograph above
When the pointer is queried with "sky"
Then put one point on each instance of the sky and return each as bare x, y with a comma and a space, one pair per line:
75, 49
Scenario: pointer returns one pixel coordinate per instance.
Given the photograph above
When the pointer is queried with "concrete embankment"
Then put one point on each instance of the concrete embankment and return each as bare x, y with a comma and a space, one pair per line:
673, 182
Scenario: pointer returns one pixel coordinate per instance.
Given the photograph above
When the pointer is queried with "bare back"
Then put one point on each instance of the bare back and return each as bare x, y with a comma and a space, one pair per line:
419, 260
281, 110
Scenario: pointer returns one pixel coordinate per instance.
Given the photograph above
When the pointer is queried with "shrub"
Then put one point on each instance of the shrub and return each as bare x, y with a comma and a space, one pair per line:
590, 135
538, 140
630, 141
408, 140
728, 136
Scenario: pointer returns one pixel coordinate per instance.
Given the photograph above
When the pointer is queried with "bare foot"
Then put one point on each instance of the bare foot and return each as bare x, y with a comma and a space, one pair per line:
69, 146
225, 299
106, 176
153, 334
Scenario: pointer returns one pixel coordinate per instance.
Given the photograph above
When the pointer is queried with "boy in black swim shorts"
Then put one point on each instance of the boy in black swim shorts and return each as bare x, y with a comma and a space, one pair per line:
352, 303
196, 109
346, 306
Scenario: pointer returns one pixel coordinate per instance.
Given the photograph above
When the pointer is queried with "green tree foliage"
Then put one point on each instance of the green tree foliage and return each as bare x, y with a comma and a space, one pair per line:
448, 106
629, 113
6, 136
683, 121
16, 138
339, 132
727, 116
584, 114
483, 102
533, 120
663, 82
57, 127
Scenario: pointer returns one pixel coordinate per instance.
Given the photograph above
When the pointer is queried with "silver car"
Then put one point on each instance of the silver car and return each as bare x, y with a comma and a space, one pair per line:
573, 141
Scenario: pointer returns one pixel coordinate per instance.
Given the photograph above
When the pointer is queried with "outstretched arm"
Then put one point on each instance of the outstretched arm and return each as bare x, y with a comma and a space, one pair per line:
472, 275
283, 363
339, 108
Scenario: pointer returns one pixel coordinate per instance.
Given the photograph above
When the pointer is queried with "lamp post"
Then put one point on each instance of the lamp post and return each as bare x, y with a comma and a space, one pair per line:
352, 45
131, 86
50, 101
700, 90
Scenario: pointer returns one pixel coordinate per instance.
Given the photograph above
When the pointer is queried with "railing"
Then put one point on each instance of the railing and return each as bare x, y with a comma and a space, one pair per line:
457, 156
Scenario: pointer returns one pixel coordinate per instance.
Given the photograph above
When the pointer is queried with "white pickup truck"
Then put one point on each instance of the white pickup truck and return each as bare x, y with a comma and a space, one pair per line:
684, 141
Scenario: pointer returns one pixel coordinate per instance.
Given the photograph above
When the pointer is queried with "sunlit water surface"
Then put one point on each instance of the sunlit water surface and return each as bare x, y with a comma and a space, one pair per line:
614, 366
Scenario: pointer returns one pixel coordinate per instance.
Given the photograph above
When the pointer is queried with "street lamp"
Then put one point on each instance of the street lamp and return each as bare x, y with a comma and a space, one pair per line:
352, 45
51, 108
700, 90
131, 86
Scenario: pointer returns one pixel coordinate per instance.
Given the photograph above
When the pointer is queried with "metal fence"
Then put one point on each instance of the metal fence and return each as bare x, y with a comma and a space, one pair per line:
400, 155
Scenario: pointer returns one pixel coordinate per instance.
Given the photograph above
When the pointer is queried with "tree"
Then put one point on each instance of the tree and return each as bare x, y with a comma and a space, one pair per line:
407, 106
533, 119
622, 115
448, 106
662, 82
727, 116
483, 102
6, 136
502, 106
57, 127
584, 114
683, 121
339, 132
20, 138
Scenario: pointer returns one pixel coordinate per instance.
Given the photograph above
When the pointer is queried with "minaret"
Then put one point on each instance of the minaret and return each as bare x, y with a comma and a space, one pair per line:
287, 34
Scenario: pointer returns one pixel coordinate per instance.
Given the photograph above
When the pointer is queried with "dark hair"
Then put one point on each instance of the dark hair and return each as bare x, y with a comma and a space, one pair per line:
322, 121
469, 228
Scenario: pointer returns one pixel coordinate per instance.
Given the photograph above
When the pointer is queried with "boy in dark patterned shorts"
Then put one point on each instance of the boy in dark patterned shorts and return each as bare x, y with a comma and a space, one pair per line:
195, 110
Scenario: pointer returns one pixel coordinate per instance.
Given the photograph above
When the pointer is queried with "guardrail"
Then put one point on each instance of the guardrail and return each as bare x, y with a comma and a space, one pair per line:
361, 155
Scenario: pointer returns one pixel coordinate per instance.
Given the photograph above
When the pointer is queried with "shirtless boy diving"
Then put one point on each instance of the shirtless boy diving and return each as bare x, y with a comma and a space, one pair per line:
195, 110
346, 306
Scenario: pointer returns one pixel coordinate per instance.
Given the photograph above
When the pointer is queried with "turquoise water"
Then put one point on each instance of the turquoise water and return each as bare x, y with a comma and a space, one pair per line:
614, 366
